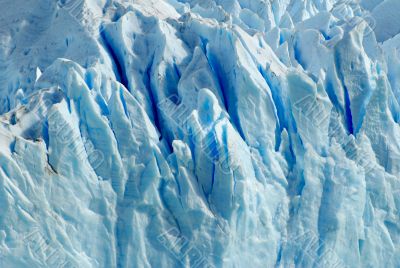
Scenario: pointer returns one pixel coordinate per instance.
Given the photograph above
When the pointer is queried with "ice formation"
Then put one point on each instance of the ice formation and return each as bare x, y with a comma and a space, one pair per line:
199, 133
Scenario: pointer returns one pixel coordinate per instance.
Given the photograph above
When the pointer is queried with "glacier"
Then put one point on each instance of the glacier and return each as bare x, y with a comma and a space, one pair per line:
199, 133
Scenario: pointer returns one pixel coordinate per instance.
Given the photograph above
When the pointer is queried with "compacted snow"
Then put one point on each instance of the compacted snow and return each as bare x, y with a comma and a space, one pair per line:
199, 133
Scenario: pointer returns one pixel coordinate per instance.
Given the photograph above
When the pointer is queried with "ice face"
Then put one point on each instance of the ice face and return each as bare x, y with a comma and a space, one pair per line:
195, 133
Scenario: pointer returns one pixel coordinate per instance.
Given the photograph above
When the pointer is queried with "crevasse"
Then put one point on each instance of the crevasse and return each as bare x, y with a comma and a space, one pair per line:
212, 133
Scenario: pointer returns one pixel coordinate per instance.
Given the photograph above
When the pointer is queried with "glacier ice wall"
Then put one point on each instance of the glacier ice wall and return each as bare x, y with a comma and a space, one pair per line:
199, 133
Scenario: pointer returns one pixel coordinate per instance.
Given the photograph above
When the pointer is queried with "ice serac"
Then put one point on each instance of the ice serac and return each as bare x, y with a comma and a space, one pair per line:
194, 133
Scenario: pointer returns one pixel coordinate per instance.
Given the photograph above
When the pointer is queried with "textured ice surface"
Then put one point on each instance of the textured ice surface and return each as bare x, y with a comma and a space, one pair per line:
202, 133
